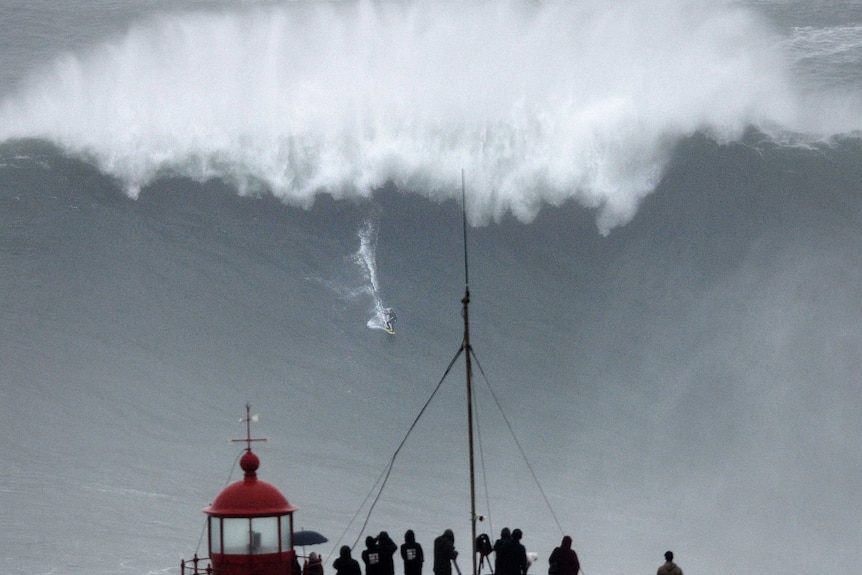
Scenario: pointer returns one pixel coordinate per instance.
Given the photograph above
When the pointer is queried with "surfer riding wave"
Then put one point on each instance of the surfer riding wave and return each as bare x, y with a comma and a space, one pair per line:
389, 319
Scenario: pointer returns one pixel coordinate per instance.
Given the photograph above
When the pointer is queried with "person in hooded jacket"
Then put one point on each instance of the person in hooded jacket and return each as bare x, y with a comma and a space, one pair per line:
669, 567
504, 554
387, 548
411, 553
444, 553
563, 559
345, 564
519, 553
371, 557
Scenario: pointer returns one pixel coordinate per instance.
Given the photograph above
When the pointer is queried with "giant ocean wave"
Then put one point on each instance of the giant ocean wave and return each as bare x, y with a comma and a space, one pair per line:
689, 381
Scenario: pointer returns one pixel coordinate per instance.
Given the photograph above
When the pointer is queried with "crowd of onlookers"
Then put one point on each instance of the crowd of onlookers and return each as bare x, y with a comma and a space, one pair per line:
510, 556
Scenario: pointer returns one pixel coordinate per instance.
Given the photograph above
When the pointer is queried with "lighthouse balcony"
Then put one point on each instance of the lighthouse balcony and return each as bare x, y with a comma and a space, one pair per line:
275, 564
196, 566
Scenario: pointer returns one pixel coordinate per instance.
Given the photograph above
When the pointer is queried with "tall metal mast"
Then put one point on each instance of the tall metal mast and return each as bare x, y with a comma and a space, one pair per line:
467, 353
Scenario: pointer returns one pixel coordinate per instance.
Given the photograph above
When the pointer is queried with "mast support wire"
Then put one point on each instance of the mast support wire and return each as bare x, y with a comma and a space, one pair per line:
517, 443
384, 476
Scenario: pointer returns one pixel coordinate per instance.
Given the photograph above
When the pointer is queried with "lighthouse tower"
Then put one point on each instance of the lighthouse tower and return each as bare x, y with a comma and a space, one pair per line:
250, 526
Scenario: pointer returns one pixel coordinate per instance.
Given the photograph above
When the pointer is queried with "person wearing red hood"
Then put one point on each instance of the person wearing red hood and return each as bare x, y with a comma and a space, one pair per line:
669, 567
563, 559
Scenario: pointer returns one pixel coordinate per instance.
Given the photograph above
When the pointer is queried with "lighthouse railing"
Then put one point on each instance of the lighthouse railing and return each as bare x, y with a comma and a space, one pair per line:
191, 567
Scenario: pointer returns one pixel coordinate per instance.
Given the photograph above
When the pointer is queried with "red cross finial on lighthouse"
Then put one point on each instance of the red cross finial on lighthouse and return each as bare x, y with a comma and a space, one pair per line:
247, 419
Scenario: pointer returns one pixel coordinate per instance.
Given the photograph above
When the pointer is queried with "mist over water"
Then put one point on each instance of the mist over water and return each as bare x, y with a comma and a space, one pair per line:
544, 102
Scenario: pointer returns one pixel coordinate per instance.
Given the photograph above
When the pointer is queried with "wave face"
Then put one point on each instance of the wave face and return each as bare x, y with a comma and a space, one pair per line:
688, 382
543, 102
201, 208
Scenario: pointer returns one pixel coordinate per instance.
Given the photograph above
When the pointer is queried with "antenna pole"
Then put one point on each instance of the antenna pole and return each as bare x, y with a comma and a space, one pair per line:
247, 420
464, 226
468, 352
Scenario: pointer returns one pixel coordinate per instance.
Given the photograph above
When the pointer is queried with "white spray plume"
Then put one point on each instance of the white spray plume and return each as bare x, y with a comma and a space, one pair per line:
540, 103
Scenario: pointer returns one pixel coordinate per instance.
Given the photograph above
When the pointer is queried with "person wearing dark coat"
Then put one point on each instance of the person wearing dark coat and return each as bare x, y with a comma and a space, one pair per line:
411, 553
387, 548
345, 564
444, 553
563, 559
504, 554
519, 553
669, 567
371, 557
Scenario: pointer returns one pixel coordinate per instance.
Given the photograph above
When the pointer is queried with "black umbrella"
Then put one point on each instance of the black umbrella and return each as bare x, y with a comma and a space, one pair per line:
303, 538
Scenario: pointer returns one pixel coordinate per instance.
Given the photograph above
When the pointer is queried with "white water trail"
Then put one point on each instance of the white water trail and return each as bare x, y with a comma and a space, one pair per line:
366, 258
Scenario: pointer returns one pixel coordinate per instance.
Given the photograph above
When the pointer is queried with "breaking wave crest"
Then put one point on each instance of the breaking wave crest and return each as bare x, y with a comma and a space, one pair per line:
540, 103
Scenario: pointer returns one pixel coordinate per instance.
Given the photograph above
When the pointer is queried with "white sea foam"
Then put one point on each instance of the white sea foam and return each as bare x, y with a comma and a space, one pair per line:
844, 42
366, 255
540, 103
366, 258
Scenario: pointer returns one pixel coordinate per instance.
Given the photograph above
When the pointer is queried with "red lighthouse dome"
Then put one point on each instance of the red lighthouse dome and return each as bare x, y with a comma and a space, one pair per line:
250, 526
251, 496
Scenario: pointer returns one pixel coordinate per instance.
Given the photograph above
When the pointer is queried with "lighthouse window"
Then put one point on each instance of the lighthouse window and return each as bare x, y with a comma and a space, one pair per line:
236, 536
215, 535
264, 535
286, 530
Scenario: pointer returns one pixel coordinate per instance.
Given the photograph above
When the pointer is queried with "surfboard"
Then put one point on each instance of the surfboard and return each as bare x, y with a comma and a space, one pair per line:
389, 331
